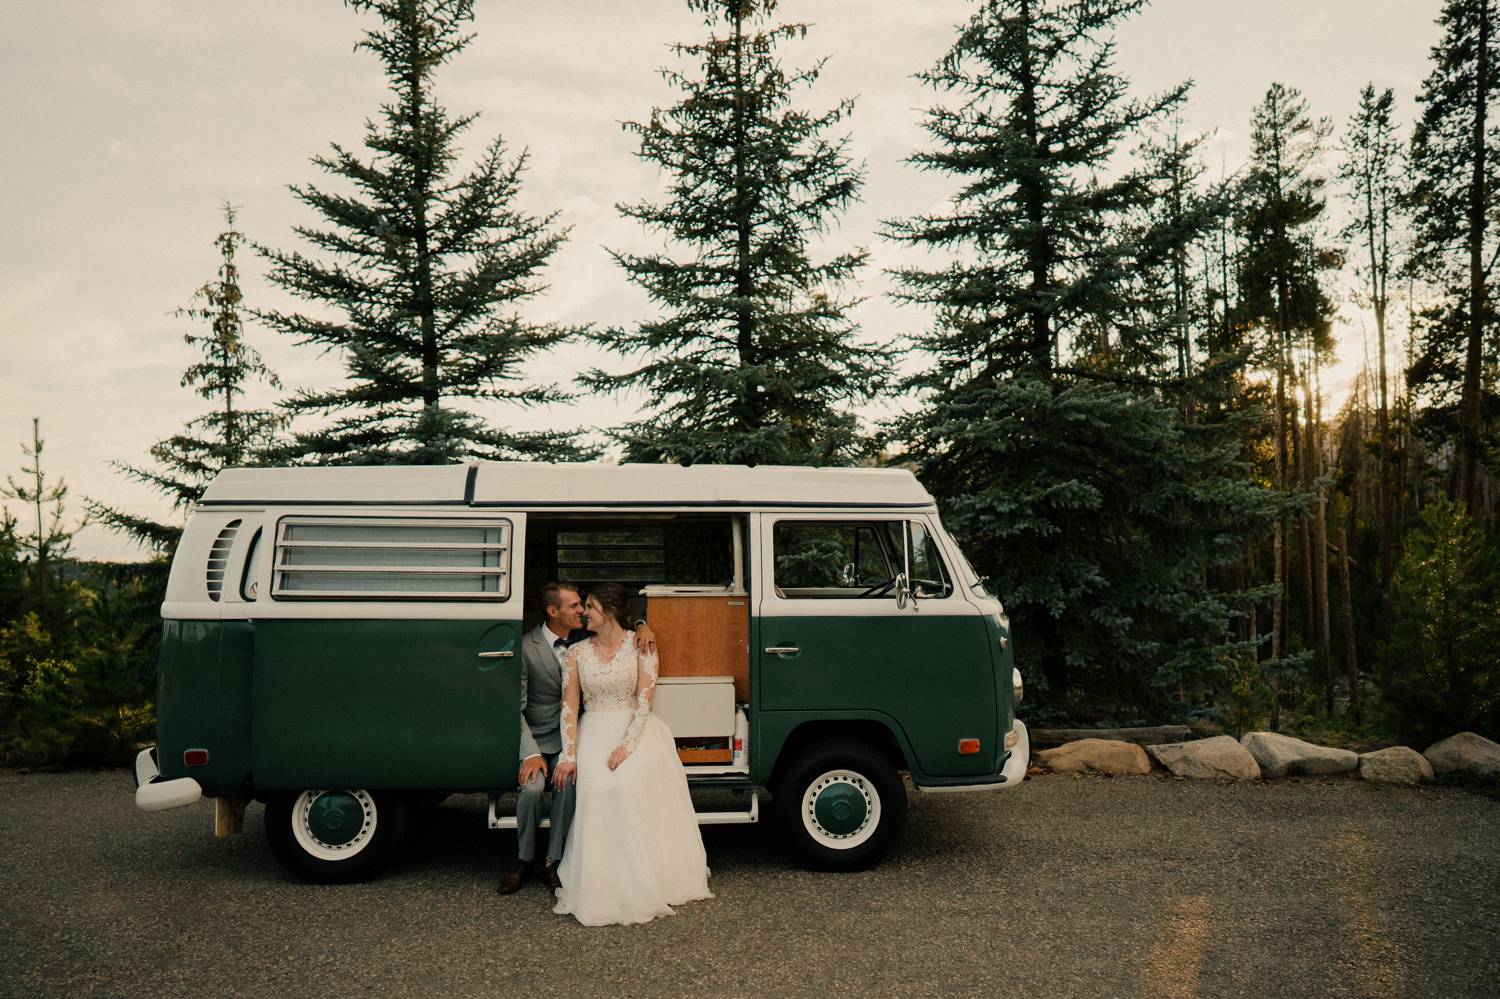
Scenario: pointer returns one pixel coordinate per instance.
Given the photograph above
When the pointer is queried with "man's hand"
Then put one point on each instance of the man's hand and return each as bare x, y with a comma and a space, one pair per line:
531, 768
620, 755
645, 641
564, 775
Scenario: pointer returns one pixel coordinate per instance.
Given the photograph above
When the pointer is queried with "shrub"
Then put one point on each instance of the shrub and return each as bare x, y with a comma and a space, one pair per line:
1440, 672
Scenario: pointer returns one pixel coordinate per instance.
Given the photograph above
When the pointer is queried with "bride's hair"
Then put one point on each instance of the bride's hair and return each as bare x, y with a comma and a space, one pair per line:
612, 600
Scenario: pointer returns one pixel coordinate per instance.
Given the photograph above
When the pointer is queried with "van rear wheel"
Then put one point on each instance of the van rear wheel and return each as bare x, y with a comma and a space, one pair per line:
840, 806
335, 835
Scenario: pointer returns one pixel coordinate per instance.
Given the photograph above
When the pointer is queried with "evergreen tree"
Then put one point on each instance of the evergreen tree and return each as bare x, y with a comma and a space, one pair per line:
1171, 330
1066, 472
1456, 155
754, 358
229, 435
1372, 171
45, 547
37, 695
423, 271
1282, 210
1440, 673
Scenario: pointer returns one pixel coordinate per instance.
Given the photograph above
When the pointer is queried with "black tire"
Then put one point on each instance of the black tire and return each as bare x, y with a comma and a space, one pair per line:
852, 775
380, 817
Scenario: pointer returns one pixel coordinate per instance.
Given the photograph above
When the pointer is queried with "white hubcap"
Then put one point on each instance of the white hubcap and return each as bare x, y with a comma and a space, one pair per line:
841, 779
309, 841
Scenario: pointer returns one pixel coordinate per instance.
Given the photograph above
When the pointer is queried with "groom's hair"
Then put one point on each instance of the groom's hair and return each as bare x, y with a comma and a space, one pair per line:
552, 593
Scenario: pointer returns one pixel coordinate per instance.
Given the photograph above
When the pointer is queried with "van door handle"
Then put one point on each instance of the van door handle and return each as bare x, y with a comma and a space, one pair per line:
783, 650
496, 655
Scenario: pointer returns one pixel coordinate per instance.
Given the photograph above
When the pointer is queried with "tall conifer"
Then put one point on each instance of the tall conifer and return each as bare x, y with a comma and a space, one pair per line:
230, 434
1069, 477
754, 358
419, 272
1283, 207
1372, 171
1456, 155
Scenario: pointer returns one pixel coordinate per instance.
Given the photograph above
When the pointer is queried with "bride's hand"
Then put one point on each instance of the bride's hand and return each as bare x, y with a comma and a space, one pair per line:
618, 756
564, 774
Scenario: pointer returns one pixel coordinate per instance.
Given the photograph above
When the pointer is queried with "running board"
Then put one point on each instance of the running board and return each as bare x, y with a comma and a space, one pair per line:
752, 814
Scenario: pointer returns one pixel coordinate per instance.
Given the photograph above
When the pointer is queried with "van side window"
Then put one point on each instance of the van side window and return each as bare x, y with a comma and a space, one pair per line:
358, 558
827, 559
831, 559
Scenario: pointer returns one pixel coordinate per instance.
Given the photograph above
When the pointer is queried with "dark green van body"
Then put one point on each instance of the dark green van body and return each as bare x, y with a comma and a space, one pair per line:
294, 694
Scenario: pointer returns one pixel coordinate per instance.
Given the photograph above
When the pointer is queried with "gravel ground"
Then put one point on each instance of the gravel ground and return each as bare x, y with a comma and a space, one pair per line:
1066, 886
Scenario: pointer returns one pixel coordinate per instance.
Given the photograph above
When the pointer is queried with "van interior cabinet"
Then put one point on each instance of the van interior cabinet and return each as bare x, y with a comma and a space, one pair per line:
702, 634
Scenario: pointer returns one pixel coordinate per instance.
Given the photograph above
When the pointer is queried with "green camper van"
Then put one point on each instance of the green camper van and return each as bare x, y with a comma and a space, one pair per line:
343, 644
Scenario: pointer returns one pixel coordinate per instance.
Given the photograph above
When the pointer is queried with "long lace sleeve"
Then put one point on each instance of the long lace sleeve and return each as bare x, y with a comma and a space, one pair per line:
645, 692
570, 708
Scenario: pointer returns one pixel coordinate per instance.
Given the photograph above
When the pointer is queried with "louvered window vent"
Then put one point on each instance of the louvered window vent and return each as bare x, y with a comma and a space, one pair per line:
218, 558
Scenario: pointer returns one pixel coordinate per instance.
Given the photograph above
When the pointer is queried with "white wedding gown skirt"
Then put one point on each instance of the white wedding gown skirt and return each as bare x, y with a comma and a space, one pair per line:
634, 849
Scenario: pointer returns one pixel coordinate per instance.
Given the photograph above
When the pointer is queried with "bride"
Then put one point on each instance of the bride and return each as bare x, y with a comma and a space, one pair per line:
634, 850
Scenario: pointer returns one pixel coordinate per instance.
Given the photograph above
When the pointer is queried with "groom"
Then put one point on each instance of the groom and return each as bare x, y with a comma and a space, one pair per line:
541, 738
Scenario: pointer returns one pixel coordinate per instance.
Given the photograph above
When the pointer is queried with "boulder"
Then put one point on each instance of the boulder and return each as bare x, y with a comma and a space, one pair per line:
1282, 756
1219, 757
1465, 752
1096, 756
1396, 765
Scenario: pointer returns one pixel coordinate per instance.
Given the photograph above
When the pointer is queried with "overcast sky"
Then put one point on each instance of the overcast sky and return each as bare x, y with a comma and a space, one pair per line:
127, 123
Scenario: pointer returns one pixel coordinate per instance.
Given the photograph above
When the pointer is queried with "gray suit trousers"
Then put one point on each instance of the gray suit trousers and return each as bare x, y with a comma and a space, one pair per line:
529, 813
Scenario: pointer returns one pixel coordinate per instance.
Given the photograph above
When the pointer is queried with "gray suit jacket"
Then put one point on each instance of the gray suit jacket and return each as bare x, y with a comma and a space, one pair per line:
541, 695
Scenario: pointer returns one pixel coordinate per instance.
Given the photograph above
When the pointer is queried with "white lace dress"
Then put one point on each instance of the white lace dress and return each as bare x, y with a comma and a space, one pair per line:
633, 850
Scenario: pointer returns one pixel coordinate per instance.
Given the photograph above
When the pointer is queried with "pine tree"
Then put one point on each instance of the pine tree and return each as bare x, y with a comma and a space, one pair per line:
1172, 329
1066, 471
49, 541
1456, 155
754, 358
1283, 205
37, 691
1372, 171
227, 436
1040, 114
424, 271
1440, 673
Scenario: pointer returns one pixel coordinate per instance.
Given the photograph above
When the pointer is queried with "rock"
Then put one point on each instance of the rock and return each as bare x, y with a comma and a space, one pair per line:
1282, 756
1465, 752
1096, 756
1396, 765
1218, 757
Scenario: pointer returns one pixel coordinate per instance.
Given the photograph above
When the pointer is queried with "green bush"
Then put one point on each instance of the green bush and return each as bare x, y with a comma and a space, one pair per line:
1440, 672
38, 696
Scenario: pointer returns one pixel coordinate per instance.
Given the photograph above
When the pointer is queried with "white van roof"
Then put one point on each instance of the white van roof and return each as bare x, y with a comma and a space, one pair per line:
520, 484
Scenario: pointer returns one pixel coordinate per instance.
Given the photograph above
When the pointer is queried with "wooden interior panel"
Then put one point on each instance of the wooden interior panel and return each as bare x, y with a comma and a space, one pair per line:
703, 635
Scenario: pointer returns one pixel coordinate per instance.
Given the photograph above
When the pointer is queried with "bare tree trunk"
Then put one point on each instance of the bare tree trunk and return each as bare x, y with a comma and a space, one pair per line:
1300, 448
1478, 201
1320, 540
1351, 651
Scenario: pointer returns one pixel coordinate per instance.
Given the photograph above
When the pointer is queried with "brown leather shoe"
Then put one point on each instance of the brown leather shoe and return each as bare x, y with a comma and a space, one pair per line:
550, 873
512, 882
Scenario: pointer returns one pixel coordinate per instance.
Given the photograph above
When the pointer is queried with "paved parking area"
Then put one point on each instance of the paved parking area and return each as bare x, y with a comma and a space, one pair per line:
1065, 886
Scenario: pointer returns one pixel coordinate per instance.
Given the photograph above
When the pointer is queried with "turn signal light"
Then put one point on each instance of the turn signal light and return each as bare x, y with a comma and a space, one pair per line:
195, 757
968, 747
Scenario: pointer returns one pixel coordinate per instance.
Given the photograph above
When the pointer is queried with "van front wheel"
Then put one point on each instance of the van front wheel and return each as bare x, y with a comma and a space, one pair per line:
335, 835
840, 806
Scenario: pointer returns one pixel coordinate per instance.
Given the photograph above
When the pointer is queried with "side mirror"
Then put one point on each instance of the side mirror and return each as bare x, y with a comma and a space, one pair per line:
904, 592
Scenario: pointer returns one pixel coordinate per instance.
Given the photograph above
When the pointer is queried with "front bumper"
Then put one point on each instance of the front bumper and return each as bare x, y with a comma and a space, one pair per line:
1011, 775
152, 794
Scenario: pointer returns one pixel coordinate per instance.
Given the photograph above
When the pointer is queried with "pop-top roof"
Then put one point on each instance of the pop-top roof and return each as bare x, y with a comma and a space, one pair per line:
536, 484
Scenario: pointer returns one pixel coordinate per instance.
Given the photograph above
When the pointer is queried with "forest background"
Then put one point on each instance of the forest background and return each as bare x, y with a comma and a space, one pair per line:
1112, 352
